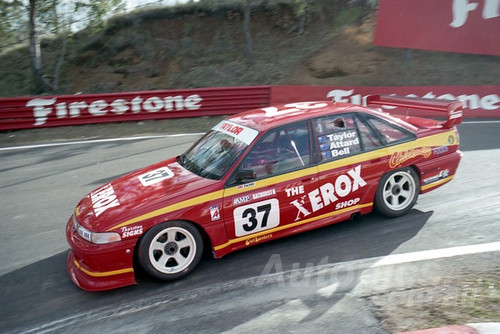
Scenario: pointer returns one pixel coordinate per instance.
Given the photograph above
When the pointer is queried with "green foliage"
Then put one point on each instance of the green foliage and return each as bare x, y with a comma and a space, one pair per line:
12, 22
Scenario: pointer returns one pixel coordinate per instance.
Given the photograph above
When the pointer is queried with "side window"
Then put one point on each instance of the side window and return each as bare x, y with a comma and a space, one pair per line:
369, 139
281, 150
390, 133
337, 136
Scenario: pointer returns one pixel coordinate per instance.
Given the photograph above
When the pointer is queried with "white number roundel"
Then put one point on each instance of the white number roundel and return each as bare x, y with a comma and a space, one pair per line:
293, 107
256, 217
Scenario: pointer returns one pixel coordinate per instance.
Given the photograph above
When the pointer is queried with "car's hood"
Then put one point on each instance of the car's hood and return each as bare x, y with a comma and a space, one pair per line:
138, 193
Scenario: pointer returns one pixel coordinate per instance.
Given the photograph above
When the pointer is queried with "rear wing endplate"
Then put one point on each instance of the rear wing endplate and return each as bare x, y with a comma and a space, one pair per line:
454, 109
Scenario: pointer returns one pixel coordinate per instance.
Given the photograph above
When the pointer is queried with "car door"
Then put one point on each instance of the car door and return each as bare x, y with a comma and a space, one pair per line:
352, 160
270, 204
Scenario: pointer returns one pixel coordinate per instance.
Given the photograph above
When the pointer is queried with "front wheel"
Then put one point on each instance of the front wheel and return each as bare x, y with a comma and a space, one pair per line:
397, 192
170, 250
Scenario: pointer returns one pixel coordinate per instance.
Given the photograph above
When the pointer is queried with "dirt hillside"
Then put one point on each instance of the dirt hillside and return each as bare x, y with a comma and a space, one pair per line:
165, 49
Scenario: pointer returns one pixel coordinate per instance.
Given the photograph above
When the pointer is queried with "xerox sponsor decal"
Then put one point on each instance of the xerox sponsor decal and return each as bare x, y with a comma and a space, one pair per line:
442, 174
400, 157
103, 199
327, 194
155, 176
131, 231
347, 204
256, 217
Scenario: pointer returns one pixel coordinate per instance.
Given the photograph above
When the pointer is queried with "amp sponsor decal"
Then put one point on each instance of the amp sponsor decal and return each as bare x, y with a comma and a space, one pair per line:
103, 199
247, 198
327, 194
256, 217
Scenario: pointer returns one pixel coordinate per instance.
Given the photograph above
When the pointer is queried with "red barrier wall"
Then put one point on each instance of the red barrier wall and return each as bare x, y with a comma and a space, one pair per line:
479, 101
47, 111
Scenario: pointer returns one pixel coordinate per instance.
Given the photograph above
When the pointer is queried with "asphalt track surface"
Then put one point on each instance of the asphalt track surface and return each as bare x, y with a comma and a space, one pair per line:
312, 282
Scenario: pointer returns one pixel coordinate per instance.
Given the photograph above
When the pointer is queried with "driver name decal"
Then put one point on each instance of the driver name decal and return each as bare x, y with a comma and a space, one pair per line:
103, 199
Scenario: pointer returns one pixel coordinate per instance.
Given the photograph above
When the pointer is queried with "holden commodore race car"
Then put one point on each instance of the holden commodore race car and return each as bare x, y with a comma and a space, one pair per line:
259, 176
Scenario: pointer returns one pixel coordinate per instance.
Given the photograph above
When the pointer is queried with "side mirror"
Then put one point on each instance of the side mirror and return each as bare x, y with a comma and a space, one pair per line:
245, 174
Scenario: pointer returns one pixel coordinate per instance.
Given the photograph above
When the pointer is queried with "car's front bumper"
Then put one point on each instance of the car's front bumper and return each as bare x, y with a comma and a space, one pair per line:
99, 267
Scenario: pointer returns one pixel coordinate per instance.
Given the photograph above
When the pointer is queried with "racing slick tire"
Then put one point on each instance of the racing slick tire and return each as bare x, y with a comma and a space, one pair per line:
170, 250
397, 192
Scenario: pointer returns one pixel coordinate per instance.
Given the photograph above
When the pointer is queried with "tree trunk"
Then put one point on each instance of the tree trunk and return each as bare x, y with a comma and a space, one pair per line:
57, 70
246, 31
35, 53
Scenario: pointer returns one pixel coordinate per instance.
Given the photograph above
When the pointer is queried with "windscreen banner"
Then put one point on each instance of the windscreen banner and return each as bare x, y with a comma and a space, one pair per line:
463, 26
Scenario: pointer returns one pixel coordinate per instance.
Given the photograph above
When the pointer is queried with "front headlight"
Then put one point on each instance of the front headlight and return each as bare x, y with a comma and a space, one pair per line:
95, 237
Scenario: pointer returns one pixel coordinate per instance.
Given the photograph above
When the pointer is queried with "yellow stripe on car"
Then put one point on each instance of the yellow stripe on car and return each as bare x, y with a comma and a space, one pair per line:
285, 227
104, 273
441, 139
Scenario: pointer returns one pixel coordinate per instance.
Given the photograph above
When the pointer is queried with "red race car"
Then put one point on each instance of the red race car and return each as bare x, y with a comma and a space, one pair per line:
258, 176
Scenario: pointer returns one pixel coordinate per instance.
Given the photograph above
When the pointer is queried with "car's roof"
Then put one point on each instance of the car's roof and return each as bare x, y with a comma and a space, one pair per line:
270, 117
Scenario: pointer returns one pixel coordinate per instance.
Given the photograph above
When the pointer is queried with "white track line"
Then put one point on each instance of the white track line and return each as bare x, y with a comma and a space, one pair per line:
93, 141
147, 137
480, 122
435, 254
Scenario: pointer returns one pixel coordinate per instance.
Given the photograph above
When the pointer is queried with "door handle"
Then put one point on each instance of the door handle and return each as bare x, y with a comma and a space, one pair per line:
308, 179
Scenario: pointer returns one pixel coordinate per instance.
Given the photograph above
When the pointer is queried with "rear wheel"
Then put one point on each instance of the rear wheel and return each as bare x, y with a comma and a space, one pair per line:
397, 192
170, 250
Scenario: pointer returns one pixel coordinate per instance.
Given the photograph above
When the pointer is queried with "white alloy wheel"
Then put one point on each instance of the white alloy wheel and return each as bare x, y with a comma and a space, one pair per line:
397, 192
170, 250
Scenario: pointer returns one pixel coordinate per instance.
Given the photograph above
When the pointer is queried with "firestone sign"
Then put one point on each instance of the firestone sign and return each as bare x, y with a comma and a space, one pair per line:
43, 108
464, 26
478, 101
470, 101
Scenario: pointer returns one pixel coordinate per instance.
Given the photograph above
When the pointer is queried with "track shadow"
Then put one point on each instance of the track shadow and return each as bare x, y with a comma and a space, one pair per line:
42, 292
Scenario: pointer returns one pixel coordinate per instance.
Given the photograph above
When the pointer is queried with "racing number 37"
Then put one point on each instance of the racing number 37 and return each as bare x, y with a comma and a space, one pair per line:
256, 217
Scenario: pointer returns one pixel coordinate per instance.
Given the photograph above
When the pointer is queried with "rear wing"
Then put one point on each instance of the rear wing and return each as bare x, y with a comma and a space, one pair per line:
453, 109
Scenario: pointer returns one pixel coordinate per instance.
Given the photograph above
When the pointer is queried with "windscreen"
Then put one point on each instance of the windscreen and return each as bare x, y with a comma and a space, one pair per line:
218, 150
